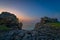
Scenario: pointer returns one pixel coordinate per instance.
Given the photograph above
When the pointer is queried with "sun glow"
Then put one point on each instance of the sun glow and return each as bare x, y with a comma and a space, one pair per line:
21, 16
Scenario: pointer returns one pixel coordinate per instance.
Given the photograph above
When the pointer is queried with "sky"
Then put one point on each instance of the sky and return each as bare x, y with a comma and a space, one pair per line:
30, 11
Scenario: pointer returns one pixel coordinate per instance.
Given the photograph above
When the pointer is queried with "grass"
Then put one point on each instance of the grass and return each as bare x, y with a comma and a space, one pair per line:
3, 27
56, 25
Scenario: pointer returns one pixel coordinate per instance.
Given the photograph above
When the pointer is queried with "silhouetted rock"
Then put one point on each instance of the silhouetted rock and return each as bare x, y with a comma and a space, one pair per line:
9, 20
37, 25
48, 20
20, 25
45, 20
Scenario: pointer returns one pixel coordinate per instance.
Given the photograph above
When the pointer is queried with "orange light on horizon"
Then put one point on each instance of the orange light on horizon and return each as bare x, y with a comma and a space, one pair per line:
19, 15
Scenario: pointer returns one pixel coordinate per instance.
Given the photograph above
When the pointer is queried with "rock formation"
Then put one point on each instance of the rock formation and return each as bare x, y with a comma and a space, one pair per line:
45, 20
42, 30
9, 20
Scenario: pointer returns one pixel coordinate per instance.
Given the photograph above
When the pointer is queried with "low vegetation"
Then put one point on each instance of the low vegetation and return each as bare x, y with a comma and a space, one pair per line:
2, 27
56, 25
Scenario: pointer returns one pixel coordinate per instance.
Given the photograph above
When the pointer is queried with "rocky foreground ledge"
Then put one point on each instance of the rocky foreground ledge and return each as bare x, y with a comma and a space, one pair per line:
44, 33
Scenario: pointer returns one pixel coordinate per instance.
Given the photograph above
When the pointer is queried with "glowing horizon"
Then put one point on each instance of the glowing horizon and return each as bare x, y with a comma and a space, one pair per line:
19, 15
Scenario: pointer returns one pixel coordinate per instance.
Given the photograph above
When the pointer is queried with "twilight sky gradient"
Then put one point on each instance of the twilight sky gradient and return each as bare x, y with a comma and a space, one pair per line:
31, 10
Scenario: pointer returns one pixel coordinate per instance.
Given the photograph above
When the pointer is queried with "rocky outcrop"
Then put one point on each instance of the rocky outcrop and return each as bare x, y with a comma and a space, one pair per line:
45, 31
45, 20
42, 31
9, 20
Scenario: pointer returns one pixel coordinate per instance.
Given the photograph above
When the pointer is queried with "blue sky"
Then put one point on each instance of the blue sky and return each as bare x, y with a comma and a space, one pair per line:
37, 8
33, 8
